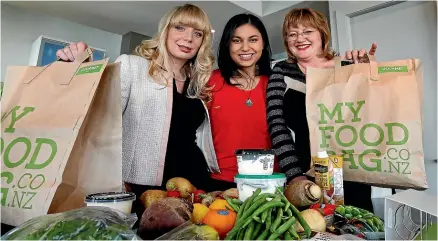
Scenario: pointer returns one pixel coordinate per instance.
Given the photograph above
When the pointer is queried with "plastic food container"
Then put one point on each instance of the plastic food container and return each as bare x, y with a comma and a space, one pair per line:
255, 162
247, 184
121, 201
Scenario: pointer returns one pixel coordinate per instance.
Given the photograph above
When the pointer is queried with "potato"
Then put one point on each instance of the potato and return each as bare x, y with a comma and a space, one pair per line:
151, 196
231, 193
182, 185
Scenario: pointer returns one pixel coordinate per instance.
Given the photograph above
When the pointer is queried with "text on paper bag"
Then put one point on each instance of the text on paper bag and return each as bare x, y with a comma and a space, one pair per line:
23, 199
397, 158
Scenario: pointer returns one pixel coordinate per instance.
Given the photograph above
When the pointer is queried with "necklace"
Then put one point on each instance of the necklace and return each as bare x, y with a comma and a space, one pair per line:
179, 80
248, 101
303, 69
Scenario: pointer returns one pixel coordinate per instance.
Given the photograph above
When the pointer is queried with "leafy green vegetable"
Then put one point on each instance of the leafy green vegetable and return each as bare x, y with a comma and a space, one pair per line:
92, 224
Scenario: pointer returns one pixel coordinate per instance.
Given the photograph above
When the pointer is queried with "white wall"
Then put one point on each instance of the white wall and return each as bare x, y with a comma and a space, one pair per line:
420, 17
20, 28
274, 22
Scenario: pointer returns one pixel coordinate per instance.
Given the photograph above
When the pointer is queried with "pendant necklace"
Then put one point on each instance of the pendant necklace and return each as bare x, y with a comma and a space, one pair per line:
248, 101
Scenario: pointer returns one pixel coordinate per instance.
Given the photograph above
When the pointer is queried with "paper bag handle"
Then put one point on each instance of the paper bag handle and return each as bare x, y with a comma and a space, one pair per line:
338, 66
374, 75
30, 75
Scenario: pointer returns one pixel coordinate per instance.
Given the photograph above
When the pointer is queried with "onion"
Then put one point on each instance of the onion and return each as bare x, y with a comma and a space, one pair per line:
315, 220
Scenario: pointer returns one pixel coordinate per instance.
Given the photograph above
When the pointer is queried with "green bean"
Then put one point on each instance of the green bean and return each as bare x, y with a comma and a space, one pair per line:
302, 221
241, 234
236, 201
284, 199
249, 230
254, 195
230, 236
254, 207
264, 235
269, 218
245, 221
277, 220
264, 216
287, 206
242, 207
287, 236
245, 217
257, 229
289, 213
263, 208
257, 219
265, 195
293, 232
283, 228
232, 205
251, 210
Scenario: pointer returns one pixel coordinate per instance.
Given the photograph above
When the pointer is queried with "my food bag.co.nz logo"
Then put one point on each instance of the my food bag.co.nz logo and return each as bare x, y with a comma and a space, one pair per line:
89, 69
387, 69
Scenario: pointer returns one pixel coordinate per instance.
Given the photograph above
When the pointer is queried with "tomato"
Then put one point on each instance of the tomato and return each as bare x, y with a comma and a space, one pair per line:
199, 195
173, 194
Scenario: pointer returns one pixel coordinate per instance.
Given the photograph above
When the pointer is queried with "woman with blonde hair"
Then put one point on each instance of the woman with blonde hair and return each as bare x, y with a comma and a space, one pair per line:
166, 129
306, 38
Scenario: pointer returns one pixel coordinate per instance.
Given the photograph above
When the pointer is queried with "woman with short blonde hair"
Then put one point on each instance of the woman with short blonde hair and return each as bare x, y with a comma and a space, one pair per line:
166, 128
308, 17
198, 68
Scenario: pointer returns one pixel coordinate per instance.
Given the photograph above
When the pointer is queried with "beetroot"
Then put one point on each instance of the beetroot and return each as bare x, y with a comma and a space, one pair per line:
162, 216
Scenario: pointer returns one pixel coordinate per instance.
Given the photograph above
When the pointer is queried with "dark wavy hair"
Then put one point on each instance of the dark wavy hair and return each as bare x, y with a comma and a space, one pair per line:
226, 64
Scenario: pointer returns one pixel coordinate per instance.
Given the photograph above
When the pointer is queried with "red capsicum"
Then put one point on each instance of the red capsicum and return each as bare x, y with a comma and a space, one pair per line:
325, 209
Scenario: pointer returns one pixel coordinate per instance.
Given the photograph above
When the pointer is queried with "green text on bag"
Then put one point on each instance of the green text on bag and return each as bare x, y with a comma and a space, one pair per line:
24, 186
389, 69
90, 69
396, 158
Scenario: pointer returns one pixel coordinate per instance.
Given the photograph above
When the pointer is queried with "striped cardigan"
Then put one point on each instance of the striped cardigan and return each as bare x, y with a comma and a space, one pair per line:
287, 121
279, 130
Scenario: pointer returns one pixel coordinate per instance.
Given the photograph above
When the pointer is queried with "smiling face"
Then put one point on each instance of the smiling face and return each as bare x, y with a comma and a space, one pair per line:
183, 42
246, 46
304, 42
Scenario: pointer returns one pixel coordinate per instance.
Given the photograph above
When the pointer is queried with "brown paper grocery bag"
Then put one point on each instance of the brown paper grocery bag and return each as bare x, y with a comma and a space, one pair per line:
61, 137
371, 113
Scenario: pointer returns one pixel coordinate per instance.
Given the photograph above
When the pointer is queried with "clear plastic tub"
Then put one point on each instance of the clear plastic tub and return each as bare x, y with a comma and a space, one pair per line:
121, 201
255, 162
247, 184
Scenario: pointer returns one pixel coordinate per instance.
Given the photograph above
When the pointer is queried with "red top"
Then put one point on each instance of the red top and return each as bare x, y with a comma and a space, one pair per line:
236, 125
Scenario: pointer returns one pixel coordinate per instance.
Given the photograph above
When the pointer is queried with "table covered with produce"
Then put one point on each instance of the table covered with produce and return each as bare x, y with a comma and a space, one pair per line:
186, 213
62, 161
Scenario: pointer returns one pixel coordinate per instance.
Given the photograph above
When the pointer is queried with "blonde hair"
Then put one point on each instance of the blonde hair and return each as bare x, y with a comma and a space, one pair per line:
310, 18
199, 68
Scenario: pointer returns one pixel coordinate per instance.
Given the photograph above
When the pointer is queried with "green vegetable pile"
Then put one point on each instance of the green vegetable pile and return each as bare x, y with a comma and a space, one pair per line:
353, 213
266, 216
91, 223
